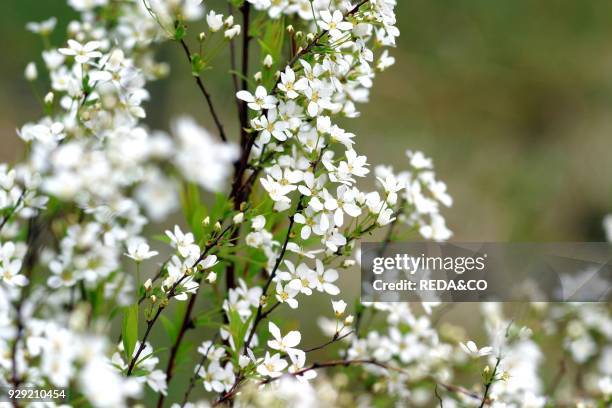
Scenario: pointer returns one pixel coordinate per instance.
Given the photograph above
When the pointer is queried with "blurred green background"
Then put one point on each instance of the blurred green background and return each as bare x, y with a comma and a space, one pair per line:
513, 100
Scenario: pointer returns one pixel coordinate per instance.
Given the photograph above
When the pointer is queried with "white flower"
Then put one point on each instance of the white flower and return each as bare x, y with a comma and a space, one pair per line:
298, 361
10, 268
184, 243
139, 250
284, 344
278, 183
437, 230
325, 279
605, 386
385, 61
272, 366
289, 85
334, 23
343, 203
201, 157
82, 53
214, 21
217, 378
304, 279
232, 32
258, 101
339, 307
44, 27
208, 262
471, 349
271, 125
418, 160
156, 379
287, 294
318, 95
258, 222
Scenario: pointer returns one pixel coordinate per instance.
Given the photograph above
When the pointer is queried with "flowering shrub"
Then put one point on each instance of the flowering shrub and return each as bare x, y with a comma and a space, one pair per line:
288, 214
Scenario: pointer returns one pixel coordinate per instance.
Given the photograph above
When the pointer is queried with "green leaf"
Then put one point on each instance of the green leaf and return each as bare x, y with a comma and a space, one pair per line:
206, 319
170, 328
197, 64
193, 208
272, 43
129, 333
220, 209
183, 354
162, 238
179, 32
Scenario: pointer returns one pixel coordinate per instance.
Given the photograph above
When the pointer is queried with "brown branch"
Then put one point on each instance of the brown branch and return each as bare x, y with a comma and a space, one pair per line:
334, 339
193, 378
200, 84
171, 294
242, 164
346, 363
258, 315
12, 210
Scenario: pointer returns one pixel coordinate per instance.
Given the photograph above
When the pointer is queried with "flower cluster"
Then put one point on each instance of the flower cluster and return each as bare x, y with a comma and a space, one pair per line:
78, 269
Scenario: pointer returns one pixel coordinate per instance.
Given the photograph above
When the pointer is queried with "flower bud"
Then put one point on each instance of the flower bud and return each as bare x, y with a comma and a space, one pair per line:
148, 283
290, 29
31, 73
257, 76
268, 61
49, 98
206, 221
202, 36
243, 361
238, 218
348, 263
153, 298
349, 320
218, 226
310, 37
229, 21
212, 277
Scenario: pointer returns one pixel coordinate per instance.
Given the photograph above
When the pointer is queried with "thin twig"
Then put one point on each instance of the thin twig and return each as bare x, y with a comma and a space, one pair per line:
200, 84
346, 363
438, 396
12, 210
336, 338
485, 399
197, 370
172, 293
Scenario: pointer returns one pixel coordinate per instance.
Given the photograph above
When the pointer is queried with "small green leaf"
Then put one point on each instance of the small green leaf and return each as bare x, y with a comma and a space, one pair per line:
170, 328
179, 32
129, 333
197, 64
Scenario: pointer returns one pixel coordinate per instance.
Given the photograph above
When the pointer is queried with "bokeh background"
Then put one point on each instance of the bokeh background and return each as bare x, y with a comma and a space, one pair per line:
513, 100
